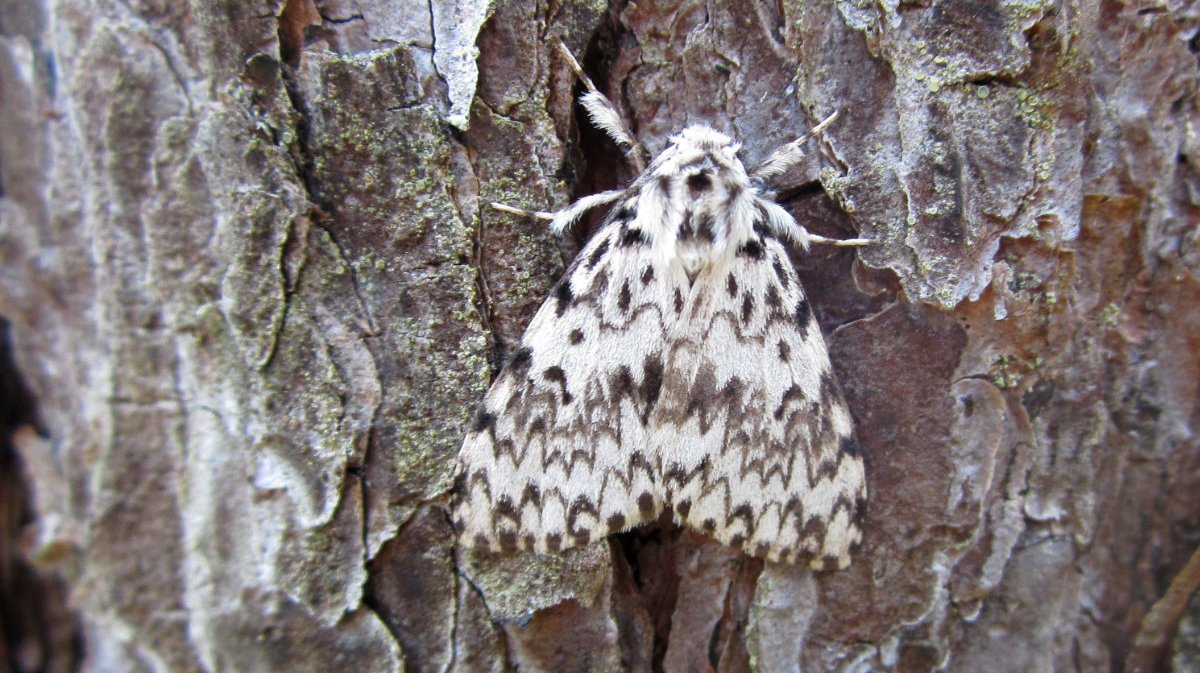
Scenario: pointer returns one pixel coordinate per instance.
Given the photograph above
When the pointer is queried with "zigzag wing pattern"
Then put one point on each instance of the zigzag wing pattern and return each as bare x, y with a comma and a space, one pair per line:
752, 432
558, 453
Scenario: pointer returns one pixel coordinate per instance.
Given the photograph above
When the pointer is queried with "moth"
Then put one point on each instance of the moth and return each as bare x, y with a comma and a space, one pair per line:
676, 365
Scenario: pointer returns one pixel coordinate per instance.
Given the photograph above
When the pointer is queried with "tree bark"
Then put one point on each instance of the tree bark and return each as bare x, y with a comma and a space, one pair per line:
254, 294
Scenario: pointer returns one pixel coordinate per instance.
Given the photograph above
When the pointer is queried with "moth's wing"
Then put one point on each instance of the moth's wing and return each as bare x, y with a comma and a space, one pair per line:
557, 455
752, 430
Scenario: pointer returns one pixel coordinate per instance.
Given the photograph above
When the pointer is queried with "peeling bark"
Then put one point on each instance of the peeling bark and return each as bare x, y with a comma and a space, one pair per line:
253, 297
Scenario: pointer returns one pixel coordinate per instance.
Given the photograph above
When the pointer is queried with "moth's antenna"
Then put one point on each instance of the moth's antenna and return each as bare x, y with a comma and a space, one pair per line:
790, 154
567, 216
604, 114
839, 242
538, 214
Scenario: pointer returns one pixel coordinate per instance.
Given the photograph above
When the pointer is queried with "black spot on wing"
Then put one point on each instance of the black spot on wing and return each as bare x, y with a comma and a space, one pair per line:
751, 249
563, 296
747, 307
773, 299
803, 314
616, 523
731, 286
576, 336
624, 297
518, 362
484, 420
645, 503
633, 236
624, 212
678, 300
648, 275
785, 351
697, 184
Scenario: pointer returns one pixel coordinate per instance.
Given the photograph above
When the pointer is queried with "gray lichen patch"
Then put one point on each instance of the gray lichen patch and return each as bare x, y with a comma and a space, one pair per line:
516, 586
385, 183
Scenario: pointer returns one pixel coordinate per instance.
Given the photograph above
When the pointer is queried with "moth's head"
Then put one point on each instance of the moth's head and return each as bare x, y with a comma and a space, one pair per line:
699, 163
698, 147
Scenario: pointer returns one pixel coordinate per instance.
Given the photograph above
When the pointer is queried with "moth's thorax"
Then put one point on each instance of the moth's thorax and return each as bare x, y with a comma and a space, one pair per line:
703, 193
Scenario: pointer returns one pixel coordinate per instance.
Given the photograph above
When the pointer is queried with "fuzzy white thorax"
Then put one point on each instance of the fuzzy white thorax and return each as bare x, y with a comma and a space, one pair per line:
699, 201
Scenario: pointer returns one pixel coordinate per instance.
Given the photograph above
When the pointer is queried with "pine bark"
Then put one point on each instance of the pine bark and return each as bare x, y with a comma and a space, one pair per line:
253, 293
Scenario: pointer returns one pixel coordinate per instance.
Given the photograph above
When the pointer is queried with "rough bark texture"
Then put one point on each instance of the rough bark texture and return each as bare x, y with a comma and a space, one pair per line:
253, 296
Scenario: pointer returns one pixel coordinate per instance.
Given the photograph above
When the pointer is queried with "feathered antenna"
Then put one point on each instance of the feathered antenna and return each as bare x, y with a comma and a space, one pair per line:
604, 114
790, 154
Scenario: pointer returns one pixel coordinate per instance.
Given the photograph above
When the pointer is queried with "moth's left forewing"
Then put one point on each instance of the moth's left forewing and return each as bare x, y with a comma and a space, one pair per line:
754, 436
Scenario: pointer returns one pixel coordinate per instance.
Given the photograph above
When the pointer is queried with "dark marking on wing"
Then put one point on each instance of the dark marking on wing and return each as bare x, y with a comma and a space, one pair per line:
557, 375
666, 185
803, 314
780, 271
698, 184
597, 254
518, 362
633, 236
751, 249
576, 336
794, 392
773, 299
564, 296
624, 297
484, 420
616, 523
652, 380
731, 286
686, 231
704, 227
645, 503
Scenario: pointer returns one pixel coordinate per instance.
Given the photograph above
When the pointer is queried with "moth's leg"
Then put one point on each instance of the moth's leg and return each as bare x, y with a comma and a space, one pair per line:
789, 154
605, 115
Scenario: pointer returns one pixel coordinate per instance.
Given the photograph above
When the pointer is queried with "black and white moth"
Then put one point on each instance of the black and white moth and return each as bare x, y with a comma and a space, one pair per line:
676, 365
